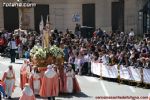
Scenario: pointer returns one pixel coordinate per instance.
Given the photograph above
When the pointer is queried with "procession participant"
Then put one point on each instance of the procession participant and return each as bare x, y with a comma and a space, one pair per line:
27, 93
62, 76
49, 87
71, 84
9, 79
35, 80
23, 74
28, 70
69, 79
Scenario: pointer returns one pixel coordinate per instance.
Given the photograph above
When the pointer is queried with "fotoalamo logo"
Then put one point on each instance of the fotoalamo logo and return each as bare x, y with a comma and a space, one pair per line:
26, 5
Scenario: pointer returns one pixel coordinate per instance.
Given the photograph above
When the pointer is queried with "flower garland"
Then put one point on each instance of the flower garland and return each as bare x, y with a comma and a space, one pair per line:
56, 52
40, 54
33, 51
43, 53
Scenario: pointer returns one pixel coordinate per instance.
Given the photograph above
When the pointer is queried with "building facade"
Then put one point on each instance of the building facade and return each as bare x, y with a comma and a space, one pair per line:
108, 15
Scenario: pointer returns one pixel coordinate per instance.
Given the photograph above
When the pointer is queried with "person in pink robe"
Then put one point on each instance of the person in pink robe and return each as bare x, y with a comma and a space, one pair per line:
69, 80
35, 81
27, 93
71, 84
23, 75
50, 84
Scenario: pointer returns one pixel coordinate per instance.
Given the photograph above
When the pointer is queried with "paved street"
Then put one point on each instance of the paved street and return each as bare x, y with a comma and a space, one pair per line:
90, 86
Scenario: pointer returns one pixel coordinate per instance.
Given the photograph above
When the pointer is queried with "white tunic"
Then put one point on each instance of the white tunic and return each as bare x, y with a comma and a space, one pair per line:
36, 83
70, 76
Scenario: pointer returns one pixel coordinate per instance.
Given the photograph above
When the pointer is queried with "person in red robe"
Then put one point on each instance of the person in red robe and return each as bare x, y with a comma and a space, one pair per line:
50, 84
23, 74
27, 93
59, 79
62, 77
35, 80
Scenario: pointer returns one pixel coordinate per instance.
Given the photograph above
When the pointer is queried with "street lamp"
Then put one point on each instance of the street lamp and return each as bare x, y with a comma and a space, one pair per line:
140, 21
140, 15
148, 16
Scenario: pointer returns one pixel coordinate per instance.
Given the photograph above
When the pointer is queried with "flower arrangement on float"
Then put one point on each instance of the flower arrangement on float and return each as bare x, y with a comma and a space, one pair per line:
41, 57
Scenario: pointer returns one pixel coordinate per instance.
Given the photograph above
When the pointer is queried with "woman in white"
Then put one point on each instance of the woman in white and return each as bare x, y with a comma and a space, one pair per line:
69, 81
9, 79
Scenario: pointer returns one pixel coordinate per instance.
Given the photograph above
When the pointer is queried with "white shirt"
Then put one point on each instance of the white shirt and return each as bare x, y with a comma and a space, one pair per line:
131, 33
12, 45
86, 58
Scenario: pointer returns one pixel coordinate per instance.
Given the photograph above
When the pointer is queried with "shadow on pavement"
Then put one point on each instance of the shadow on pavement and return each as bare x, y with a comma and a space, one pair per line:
67, 95
71, 95
18, 63
15, 98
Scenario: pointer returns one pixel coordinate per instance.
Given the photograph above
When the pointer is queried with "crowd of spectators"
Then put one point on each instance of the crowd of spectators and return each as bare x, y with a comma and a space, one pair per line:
110, 48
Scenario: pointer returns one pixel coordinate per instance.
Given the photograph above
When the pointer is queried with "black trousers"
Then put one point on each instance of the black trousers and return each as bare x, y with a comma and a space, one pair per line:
12, 55
73, 67
85, 68
51, 98
0, 96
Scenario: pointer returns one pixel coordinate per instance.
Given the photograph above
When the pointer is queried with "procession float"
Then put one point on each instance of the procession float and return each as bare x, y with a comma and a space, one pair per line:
41, 57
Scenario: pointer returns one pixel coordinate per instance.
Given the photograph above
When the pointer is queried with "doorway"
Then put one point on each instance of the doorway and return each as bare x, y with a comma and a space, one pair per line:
117, 13
11, 18
40, 10
88, 15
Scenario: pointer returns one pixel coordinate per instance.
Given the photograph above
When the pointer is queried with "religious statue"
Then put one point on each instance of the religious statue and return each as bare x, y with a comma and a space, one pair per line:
46, 35
45, 38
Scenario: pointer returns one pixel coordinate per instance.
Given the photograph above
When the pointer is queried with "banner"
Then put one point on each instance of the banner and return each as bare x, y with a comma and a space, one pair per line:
126, 73
96, 68
109, 71
146, 76
135, 74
